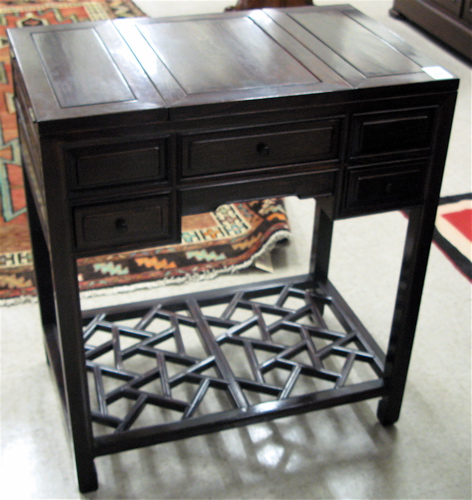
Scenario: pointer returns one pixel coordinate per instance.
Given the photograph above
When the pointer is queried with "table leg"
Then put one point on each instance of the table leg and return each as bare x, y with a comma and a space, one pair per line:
413, 271
42, 267
61, 318
322, 239
70, 336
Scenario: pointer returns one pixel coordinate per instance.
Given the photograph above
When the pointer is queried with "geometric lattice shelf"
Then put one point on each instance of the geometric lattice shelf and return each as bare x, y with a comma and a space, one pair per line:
164, 370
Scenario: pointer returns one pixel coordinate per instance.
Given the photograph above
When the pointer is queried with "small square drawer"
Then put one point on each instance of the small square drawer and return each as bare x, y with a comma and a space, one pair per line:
259, 147
122, 223
385, 187
113, 164
392, 132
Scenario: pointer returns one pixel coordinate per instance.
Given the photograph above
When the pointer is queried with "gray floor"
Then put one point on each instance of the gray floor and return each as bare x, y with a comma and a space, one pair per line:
341, 453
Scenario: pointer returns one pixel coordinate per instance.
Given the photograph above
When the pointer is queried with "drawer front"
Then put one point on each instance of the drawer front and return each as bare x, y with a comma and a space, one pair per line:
122, 223
259, 147
392, 132
114, 164
385, 187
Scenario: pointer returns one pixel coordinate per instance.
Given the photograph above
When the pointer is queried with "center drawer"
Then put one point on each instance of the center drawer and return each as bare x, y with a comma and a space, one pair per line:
259, 147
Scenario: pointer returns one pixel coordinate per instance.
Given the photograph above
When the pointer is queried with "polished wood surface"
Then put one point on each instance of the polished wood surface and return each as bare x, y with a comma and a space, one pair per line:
112, 67
219, 55
316, 102
66, 59
244, 57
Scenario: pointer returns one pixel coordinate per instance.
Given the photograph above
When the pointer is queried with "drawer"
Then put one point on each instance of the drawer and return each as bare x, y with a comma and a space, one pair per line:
113, 164
392, 132
122, 223
259, 147
385, 187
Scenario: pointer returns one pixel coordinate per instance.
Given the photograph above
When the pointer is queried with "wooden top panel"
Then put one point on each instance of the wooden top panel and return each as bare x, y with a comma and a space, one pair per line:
81, 71
236, 62
361, 51
218, 55
199, 64
365, 51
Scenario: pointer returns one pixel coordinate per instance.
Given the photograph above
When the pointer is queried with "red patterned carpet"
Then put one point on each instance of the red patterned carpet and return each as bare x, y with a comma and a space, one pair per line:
222, 241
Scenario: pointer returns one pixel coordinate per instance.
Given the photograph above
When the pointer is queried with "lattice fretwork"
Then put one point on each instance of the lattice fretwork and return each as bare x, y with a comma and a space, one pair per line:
171, 362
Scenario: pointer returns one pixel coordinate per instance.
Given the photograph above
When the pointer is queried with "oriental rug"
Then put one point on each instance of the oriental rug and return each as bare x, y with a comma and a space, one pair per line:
453, 234
229, 239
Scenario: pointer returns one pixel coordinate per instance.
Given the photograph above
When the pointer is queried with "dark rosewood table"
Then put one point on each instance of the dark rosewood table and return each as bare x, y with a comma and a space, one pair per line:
128, 125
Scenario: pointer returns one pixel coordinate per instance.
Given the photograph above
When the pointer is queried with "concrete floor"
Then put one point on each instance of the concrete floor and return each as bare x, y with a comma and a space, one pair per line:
341, 453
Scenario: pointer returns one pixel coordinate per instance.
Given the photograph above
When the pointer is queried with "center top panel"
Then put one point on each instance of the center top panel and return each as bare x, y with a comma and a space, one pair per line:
222, 54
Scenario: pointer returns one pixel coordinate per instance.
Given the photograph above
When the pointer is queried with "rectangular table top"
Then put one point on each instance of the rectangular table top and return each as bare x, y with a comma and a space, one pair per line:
183, 67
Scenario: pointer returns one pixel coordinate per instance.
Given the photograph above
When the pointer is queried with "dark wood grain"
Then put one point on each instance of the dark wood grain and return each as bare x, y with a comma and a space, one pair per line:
77, 78
381, 59
223, 54
213, 62
47, 80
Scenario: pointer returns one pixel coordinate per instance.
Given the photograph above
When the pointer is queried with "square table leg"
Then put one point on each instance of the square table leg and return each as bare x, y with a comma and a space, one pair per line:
58, 297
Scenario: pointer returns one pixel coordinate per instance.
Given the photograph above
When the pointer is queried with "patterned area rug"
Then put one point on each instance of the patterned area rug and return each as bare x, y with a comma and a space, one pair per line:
453, 232
226, 240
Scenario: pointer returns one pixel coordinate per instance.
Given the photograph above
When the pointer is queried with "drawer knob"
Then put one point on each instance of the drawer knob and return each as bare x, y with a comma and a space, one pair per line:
263, 149
120, 225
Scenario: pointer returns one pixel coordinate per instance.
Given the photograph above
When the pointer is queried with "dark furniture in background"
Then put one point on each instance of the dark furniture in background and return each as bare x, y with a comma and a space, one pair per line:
262, 4
450, 21
317, 102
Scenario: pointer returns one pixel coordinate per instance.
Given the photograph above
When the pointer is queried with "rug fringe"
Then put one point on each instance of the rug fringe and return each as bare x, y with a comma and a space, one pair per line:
18, 301
191, 277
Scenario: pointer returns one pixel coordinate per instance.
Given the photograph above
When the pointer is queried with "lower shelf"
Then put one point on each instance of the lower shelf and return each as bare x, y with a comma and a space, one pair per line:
175, 368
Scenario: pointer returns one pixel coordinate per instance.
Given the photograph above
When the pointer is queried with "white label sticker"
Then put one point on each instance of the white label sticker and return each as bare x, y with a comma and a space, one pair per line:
437, 72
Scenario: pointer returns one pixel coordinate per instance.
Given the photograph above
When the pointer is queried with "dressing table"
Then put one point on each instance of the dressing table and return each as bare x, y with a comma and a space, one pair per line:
128, 125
